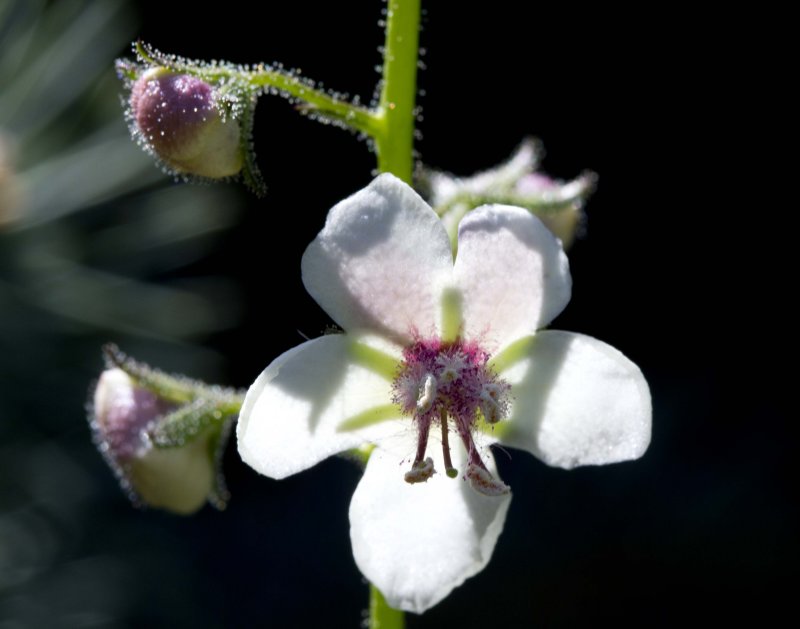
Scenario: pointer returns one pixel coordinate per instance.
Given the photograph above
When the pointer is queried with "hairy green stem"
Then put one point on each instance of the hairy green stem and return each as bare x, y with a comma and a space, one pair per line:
359, 118
394, 137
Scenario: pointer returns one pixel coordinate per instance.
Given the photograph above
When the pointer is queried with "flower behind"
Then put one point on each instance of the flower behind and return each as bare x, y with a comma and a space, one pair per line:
438, 350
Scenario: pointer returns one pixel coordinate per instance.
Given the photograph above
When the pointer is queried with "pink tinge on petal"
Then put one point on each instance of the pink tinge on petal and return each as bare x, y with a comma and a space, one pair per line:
512, 272
534, 184
381, 261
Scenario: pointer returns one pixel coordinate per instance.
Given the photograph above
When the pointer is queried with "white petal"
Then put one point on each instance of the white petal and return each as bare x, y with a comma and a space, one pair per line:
380, 261
513, 274
577, 401
416, 543
292, 415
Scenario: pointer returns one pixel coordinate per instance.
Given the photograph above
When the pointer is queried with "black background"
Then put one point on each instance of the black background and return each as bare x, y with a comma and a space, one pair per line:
702, 528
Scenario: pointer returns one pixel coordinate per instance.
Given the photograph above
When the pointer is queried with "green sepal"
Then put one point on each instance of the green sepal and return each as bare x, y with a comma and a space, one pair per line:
251, 175
212, 72
184, 424
201, 419
176, 389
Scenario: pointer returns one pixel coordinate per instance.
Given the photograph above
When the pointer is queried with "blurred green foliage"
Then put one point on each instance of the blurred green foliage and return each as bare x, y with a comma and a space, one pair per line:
95, 244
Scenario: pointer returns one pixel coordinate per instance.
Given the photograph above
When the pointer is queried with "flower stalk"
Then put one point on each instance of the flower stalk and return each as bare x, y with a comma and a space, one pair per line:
381, 616
394, 141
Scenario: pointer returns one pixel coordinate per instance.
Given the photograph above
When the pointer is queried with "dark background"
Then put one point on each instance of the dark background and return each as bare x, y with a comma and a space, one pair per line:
701, 529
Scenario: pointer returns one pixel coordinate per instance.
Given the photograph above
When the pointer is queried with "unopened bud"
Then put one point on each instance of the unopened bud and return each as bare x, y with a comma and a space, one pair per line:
177, 116
177, 479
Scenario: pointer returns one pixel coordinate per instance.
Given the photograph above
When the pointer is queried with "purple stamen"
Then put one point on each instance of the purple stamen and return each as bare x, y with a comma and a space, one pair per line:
450, 380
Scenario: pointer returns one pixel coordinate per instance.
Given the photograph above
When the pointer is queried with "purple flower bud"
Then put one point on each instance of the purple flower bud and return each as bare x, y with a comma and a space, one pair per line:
177, 117
177, 479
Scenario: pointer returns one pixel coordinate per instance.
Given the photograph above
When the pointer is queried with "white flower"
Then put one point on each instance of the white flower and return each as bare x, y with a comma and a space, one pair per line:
438, 350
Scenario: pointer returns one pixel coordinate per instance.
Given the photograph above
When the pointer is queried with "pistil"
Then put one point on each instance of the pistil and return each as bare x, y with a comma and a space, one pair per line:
448, 464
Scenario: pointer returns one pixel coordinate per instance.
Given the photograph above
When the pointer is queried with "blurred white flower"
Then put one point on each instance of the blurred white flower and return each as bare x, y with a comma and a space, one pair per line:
558, 204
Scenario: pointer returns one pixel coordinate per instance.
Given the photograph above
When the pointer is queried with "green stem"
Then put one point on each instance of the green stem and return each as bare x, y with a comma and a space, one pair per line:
354, 116
381, 616
394, 138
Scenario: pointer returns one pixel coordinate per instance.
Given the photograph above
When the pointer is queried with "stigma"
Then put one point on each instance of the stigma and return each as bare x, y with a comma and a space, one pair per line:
449, 385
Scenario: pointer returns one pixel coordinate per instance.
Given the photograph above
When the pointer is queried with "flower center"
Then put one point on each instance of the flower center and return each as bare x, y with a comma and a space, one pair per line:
443, 383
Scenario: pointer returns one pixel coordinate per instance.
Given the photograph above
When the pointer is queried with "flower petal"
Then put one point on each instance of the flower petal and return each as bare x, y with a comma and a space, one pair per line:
512, 272
380, 261
577, 401
293, 415
416, 543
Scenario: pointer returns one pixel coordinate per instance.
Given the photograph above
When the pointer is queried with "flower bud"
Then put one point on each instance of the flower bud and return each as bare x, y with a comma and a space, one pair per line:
178, 117
178, 479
